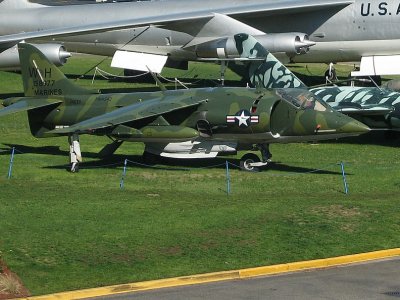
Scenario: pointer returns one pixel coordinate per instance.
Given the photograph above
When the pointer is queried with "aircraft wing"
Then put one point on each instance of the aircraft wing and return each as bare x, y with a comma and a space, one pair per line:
194, 26
7, 41
178, 21
131, 113
26, 104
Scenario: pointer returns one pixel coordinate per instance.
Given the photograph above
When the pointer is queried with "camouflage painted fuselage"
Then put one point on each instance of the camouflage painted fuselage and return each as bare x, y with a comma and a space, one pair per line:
240, 115
204, 121
378, 108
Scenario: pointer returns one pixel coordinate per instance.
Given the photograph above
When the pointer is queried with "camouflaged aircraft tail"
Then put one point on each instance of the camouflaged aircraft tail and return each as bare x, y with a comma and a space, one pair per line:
269, 73
42, 78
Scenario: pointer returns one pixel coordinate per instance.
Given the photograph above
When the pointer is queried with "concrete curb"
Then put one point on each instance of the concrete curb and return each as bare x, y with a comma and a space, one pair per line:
221, 276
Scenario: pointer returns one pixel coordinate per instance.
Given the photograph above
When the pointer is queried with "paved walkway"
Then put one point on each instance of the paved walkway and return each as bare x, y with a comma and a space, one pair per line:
370, 280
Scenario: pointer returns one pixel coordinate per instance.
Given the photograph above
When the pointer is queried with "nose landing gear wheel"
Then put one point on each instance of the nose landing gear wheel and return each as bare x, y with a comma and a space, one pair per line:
246, 162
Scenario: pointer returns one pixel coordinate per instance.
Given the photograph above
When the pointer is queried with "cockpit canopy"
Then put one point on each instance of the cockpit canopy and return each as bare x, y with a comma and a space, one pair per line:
302, 99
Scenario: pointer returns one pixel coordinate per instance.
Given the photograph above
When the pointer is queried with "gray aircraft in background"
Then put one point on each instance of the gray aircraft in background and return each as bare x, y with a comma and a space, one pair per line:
172, 32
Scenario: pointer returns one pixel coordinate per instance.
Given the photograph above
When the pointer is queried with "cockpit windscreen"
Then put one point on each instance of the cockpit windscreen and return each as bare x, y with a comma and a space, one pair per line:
302, 99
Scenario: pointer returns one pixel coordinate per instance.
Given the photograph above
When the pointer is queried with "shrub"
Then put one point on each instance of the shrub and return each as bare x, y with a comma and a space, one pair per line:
9, 284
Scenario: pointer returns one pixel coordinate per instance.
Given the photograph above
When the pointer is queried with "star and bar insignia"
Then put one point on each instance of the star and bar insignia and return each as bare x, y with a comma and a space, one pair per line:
243, 118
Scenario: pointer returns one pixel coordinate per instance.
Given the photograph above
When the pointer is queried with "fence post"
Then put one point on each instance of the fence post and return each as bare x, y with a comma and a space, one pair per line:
346, 187
121, 184
228, 179
11, 163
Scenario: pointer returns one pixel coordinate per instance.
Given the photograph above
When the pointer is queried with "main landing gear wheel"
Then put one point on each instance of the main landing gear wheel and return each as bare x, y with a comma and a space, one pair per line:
247, 160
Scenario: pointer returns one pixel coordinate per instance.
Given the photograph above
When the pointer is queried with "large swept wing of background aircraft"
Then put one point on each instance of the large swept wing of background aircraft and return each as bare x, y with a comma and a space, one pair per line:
177, 20
203, 23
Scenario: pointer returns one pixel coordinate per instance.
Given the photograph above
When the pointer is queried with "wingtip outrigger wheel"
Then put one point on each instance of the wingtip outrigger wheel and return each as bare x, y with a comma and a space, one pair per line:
75, 154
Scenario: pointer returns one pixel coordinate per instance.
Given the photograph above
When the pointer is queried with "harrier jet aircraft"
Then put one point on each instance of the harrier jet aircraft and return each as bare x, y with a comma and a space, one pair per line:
174, 31
194, 123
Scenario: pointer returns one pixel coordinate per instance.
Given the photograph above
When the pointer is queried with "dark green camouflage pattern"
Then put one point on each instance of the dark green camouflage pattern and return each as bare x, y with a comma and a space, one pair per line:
234, 116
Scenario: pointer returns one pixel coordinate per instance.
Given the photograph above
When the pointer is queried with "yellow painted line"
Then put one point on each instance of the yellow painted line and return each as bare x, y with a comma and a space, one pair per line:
141, 286
221, 276
318, 263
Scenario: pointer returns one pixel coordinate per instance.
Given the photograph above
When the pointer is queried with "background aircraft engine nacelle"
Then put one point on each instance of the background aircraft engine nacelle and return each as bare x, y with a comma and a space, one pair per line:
292, 43
56, 53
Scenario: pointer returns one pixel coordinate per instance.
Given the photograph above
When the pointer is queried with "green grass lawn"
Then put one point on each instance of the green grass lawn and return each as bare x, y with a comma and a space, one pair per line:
63, 231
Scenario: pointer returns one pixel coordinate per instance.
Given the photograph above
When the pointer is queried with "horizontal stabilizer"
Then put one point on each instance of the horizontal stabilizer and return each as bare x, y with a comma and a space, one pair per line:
14, 105
131, 113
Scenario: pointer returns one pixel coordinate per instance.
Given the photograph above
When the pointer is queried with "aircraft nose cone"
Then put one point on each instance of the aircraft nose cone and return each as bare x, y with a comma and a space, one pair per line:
355, 126
341, 124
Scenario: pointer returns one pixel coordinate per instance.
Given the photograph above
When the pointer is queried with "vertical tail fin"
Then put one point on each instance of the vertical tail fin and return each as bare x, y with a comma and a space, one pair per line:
42, 78
270, 73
